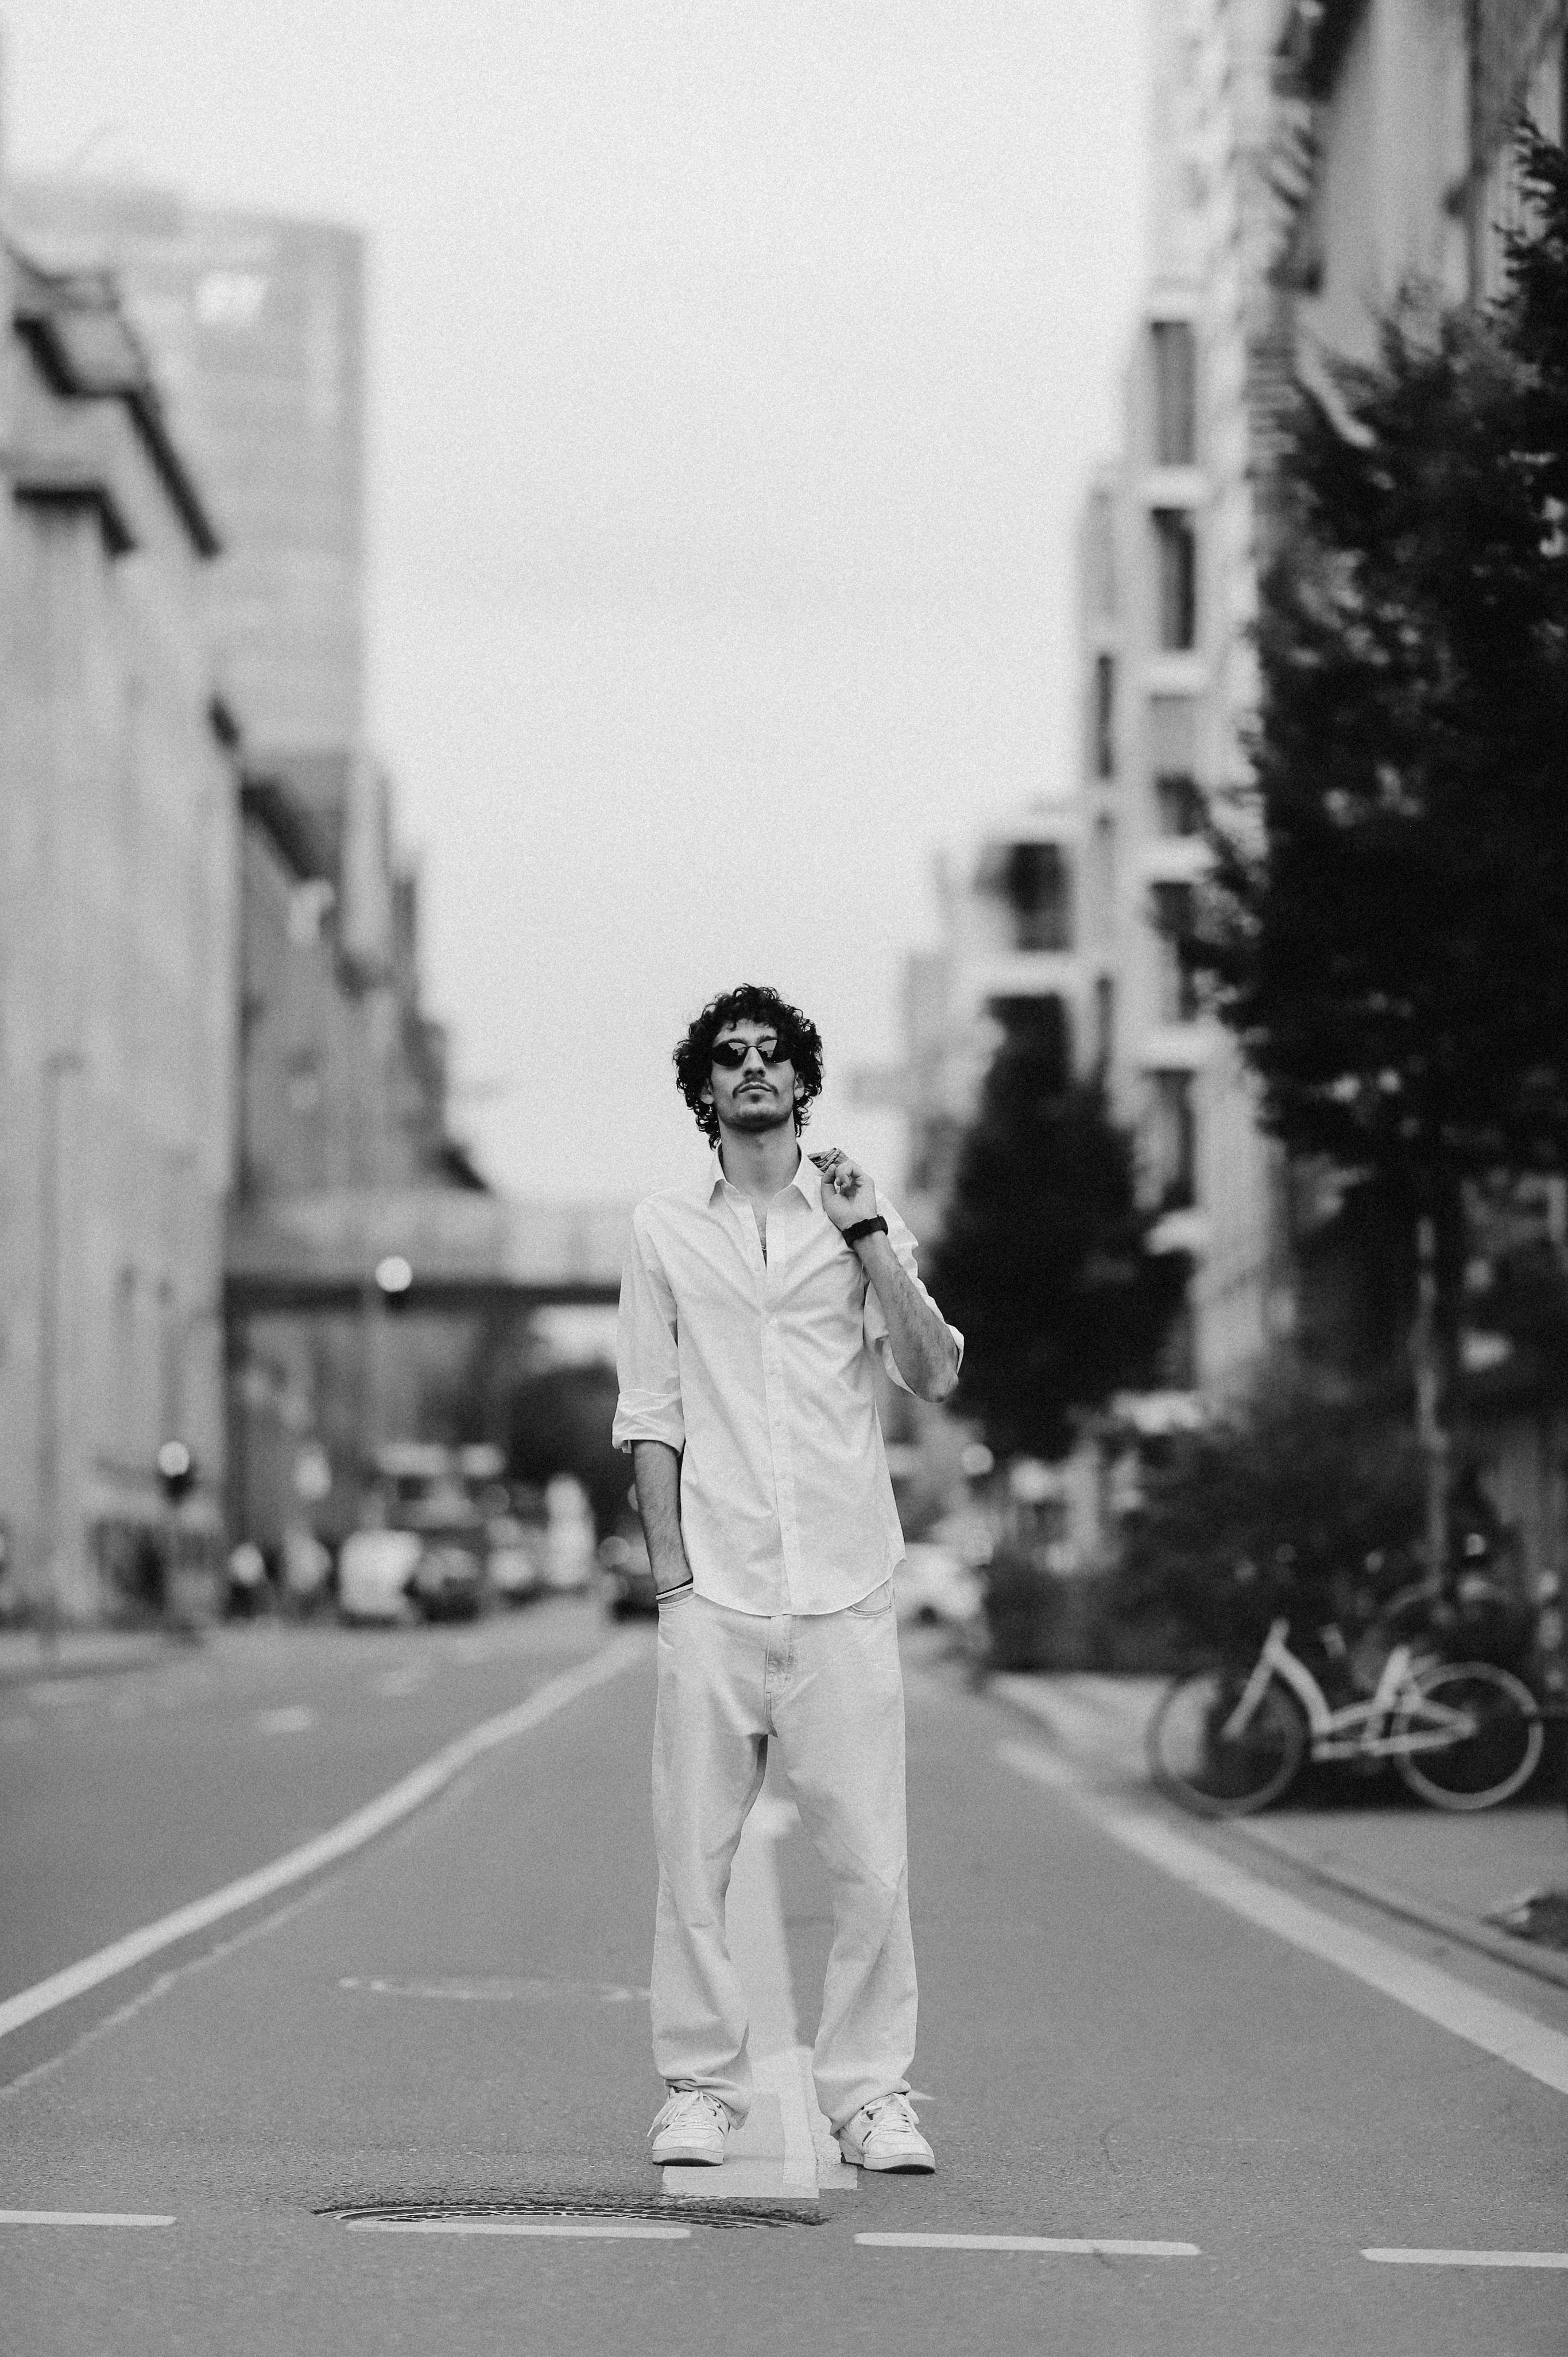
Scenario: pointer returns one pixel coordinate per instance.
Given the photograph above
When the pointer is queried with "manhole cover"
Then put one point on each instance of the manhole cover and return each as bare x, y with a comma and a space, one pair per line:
653, 2207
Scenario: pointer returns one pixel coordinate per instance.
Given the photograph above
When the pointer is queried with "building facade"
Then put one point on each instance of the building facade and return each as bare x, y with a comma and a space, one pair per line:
118, 923
1166, 596
254, 326
254, 329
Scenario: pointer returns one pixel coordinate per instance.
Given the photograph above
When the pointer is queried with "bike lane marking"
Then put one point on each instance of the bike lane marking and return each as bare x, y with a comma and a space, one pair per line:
82, 2218
1499, 2030
400, 1801
1058, 2246
1468, 2258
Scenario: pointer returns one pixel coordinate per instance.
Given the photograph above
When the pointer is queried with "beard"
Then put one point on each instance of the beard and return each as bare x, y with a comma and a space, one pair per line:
757, 1114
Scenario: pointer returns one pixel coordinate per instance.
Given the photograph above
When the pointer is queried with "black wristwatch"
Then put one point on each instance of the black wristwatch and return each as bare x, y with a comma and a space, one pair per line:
863, 1228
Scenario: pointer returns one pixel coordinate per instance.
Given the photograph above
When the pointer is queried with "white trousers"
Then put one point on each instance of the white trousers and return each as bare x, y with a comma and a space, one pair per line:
827, 1687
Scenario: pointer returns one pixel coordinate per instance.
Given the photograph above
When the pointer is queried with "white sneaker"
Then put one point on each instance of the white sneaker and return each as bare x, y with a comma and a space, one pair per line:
886, 2134
694, 2127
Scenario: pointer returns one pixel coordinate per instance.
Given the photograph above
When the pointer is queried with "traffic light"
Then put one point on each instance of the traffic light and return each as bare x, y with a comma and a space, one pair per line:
176, 1470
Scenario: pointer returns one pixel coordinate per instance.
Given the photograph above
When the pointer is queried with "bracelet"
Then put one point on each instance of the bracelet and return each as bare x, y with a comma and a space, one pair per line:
679, 1589
863, 1228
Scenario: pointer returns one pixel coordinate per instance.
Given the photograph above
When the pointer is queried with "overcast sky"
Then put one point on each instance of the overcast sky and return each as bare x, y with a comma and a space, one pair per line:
736, 368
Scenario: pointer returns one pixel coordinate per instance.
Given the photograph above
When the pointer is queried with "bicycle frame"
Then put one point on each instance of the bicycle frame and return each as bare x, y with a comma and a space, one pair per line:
1357, 1730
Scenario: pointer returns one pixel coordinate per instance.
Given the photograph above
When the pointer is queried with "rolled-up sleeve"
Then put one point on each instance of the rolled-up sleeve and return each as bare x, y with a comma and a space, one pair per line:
877, 1339
646, 1361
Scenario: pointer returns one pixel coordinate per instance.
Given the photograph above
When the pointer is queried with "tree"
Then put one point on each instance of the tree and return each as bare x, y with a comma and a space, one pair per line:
1044, 1261
1389, 904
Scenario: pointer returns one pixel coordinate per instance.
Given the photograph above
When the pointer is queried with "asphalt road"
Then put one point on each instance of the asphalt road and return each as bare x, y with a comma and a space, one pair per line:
457, 2014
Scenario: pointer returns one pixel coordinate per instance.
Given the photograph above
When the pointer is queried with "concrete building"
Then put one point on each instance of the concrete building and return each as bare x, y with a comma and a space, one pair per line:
255, 326
1166, 598
1405, 164
118, 802
1010, 923
341, 1099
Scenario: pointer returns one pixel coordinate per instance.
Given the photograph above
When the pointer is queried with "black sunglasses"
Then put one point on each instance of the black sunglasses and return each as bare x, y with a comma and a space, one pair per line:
732, 1053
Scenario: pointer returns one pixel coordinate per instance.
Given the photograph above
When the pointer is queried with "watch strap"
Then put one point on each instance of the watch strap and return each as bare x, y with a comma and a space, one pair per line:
878, 1226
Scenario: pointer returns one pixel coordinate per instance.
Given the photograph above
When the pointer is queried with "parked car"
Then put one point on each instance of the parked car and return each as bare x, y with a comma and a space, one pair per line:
450, 1582
517, 1563
627, 1574
935, 1583
375, 1572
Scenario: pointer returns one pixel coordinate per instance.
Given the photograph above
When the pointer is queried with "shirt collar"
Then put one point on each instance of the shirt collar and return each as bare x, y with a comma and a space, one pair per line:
807, 1179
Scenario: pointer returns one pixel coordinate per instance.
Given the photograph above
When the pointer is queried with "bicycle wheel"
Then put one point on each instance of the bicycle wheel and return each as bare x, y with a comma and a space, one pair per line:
1194, 1760
1493, 1733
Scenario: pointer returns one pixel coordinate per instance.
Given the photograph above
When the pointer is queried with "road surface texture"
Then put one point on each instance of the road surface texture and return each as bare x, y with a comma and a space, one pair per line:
397, 2099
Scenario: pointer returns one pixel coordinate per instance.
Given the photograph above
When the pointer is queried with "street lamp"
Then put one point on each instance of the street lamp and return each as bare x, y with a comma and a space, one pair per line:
392, 1278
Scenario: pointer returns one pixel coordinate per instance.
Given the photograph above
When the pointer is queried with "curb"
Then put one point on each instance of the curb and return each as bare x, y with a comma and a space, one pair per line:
1524, 1955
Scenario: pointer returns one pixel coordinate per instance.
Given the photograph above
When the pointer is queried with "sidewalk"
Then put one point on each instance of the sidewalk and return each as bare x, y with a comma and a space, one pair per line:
81, 1653
1451, 1874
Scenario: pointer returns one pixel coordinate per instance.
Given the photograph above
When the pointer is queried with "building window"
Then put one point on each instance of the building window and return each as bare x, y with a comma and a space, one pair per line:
1037, 1028
1104, 1022
1105, 715
1176, 545
1033, 882
1178, 805
1171, 1142
1102, 881
1173, 736
1177, 992
1175, 394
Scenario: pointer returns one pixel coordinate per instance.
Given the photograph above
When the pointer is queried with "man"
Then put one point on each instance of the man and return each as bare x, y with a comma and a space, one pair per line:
751, 1305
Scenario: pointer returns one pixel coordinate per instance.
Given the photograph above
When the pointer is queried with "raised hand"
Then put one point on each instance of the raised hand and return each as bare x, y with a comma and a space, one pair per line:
849, 1193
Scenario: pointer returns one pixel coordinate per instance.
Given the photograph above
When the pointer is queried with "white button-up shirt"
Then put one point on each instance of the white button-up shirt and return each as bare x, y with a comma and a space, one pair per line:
760, 1373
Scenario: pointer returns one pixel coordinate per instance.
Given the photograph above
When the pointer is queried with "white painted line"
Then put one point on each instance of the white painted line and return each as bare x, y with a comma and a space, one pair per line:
595, 2230
81, 2218
326, 1850
294, 1718
785, 2149
1437, 1995
1468, 2258
1060, 2245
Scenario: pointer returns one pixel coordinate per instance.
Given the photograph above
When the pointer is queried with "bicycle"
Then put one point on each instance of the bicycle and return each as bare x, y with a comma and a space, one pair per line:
1463, 1735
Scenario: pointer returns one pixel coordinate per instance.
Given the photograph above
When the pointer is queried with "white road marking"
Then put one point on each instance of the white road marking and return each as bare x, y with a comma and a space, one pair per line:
786, 2150
396, 1684
496, 1991
1468, 2258
1437, 1995
81, 2218
1060, 2245
399, 1801
598, 2230
294, 1718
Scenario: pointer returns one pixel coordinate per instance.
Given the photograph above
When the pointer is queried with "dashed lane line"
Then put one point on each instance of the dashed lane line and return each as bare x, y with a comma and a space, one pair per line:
1468, 2258
326, 1850
81, 2218
1070, 2246
1437, 1995
581, 2229
293, 1718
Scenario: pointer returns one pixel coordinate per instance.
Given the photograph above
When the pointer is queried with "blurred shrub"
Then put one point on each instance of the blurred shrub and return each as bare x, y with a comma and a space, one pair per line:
1292, 1503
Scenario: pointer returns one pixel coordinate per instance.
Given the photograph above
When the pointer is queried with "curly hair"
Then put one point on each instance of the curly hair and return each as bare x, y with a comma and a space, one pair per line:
752, 1002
